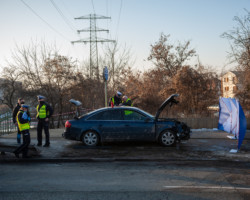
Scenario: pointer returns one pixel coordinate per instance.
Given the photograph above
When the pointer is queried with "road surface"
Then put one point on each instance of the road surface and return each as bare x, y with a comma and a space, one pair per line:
126, 180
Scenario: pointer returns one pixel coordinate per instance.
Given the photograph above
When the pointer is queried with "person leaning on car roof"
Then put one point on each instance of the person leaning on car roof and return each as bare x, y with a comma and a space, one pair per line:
126, 101
116, 99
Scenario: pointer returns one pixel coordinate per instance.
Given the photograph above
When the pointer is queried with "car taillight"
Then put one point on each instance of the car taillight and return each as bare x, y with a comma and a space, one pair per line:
67, 124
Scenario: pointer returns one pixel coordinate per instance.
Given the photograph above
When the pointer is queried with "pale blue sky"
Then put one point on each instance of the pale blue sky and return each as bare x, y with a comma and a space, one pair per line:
134, 23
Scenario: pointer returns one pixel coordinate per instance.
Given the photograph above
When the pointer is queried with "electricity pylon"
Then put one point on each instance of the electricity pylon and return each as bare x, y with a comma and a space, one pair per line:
93, 40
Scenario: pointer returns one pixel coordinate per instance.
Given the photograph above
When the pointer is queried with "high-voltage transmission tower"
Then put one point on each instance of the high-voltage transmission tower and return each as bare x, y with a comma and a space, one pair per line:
93, 40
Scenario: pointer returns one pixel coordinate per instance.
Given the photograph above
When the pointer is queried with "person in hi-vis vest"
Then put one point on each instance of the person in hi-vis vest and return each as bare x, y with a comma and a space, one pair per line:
23, 121
44, 112
126, 101
14, 114
116, 99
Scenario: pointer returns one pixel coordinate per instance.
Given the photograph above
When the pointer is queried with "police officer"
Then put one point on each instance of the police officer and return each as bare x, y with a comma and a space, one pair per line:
116, 99
14, 114
126, 101
23, 119
44, 112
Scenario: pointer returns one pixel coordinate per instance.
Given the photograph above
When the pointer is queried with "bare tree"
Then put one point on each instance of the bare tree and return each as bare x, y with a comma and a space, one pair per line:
198, 89
118, 60
11, 87
42, 70
168, 57
239, 38
59, 72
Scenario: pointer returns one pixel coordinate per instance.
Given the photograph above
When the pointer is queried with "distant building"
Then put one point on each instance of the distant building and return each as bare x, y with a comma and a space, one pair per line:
231, 83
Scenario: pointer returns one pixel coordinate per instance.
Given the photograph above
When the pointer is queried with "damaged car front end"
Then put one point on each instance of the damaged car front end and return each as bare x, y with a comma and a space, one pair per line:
172, 130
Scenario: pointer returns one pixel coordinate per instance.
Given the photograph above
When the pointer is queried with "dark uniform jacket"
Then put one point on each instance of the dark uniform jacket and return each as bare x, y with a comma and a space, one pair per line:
15, 111
117, 101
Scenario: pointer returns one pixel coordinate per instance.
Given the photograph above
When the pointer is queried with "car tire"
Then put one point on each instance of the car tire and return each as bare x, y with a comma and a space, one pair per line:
167, 138
90, 138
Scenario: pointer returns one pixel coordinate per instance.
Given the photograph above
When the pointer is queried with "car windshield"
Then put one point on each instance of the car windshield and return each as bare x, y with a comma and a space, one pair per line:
146, 113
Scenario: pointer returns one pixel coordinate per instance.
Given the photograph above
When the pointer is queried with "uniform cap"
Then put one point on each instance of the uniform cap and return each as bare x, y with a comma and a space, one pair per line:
39, 97
24, 106
119, 93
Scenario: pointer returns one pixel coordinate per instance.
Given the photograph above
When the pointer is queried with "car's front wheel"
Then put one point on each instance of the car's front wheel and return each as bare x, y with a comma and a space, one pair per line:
167, 138
90, 138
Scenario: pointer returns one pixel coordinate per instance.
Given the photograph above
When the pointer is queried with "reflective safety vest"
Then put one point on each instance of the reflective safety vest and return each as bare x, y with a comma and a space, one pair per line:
22, 127
41, 113
128, 112
129, 100
112, 103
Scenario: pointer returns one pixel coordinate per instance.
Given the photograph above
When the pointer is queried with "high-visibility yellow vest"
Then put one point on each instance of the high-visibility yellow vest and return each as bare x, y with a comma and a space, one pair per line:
41, 113
128, 99
128, 112
22, 127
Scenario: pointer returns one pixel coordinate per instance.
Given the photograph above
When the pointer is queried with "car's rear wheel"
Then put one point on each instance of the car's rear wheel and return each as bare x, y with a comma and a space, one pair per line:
90, 138
167, 138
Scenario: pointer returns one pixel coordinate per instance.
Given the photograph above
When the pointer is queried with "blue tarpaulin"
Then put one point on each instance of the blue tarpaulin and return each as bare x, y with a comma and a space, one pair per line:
232, 118
242, 126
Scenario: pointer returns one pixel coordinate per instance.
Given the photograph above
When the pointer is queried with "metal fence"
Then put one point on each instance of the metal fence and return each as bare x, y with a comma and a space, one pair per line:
6, 124
56, 121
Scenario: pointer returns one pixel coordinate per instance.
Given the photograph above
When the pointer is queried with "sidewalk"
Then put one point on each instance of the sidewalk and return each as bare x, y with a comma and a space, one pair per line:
203, 145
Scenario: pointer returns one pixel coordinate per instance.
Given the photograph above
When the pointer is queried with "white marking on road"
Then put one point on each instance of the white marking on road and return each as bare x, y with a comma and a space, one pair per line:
206, 187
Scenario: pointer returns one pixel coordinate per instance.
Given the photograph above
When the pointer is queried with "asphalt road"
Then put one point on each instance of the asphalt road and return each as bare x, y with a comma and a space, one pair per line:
126, 180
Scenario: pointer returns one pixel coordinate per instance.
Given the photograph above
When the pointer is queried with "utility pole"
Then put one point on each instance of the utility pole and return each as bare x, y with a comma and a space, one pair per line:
93, 40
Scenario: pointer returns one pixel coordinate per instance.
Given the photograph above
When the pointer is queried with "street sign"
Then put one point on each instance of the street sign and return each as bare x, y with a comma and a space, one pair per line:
105, 73
105, 77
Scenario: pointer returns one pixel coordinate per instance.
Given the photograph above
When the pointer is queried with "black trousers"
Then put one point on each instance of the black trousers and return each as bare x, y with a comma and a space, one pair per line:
18, 135
42, 124
25, 146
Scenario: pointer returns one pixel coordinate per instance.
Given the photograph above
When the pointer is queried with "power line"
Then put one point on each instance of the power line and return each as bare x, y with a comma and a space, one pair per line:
51, 27
63, 16
66, 8
107, 14
119, 16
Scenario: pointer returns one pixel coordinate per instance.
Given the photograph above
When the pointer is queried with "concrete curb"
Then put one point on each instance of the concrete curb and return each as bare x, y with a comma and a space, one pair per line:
74, 160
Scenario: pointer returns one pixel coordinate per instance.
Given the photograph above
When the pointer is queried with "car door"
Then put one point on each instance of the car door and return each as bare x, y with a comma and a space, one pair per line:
110, 124
138, 126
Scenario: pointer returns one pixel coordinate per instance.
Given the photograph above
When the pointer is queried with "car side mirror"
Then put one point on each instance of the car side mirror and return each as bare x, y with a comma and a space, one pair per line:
147, 120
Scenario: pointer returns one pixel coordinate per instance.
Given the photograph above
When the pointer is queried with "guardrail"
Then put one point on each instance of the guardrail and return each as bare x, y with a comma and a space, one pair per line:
6, 124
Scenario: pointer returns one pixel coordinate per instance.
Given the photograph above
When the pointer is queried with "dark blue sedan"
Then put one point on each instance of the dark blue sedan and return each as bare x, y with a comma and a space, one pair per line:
126, 124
